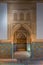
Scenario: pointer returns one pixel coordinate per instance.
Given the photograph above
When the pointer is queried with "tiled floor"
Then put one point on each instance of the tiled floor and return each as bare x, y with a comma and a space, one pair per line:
29, 63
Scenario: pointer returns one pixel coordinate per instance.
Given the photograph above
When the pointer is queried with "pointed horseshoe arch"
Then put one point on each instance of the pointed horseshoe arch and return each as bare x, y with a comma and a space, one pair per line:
26, 28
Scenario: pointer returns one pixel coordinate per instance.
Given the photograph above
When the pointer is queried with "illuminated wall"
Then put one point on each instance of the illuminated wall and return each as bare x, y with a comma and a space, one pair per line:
3, 21
39, 17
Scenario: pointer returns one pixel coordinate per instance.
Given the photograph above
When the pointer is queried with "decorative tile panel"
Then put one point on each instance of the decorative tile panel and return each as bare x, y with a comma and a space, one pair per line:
37, 49
5, 50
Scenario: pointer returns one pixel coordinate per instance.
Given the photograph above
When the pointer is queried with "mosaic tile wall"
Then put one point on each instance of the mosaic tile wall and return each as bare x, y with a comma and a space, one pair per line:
37, 50
5, 50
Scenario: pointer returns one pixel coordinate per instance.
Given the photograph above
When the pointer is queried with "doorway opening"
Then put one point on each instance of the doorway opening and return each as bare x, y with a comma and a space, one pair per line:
22, 47
22, 43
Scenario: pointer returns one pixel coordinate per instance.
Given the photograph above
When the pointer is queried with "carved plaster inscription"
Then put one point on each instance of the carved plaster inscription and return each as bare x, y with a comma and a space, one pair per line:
21, 15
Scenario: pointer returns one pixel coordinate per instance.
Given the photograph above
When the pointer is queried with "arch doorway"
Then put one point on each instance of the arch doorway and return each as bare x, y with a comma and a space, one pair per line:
22, 42
21, 39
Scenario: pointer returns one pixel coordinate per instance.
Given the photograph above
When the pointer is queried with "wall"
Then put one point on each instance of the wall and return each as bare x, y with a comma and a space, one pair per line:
39, 20
3, 21
28, 10
37, 50
5, 50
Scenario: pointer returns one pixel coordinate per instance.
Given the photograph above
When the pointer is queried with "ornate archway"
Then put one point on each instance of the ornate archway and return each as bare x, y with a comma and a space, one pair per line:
21, 38
21, 28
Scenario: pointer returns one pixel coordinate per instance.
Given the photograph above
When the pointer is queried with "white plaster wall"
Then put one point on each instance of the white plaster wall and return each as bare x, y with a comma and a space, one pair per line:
3, 21
39, 17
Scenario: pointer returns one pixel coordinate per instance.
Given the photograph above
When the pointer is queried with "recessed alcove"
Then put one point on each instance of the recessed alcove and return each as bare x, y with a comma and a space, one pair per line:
22, 43
21, 38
